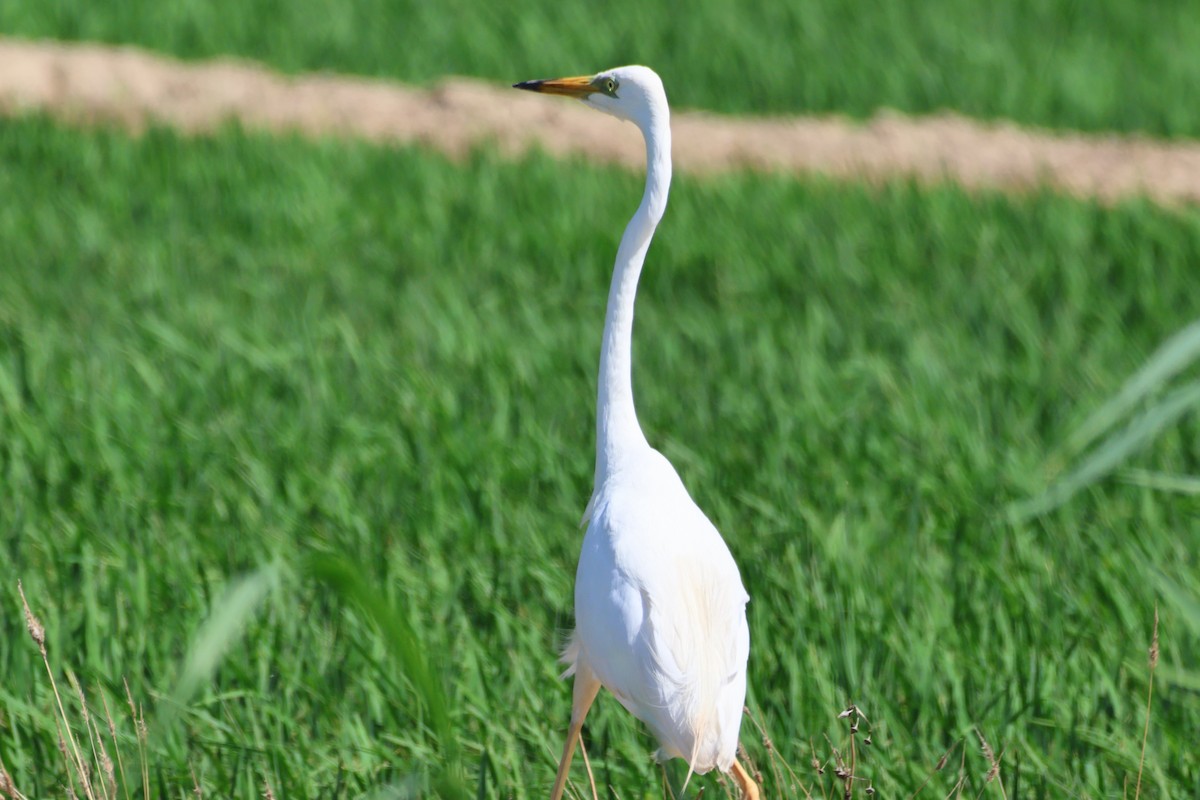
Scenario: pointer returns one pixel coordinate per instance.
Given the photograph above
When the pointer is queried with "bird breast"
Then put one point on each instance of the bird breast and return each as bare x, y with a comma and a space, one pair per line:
660, 613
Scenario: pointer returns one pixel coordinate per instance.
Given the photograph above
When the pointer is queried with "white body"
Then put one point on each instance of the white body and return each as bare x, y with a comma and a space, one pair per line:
660, 609
660, 613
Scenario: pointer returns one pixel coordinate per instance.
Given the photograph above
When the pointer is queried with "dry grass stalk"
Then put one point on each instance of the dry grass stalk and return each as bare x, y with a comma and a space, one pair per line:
817, 767
1137, 791
941, 765
110, 775
62, 748
993, 773
962, 775
749, 764
588, 766
776, 758
112, 733
8, 789
139, 723
107, 772
37, 632
96, 777
848, 772
267, 793
88, 725
772, 756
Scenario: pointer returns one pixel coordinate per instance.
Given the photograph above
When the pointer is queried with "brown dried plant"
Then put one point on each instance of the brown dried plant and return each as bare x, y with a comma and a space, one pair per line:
1137, 792
90, 769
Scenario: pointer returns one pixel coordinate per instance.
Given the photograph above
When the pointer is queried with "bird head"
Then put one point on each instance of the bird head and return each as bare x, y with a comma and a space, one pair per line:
631, 93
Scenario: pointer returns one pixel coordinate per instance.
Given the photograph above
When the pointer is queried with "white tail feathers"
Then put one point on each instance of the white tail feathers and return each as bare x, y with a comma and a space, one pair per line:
570, 656
706, 655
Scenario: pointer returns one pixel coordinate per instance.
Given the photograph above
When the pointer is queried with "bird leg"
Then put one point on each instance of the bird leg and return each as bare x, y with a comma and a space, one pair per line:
744, 781
583, 693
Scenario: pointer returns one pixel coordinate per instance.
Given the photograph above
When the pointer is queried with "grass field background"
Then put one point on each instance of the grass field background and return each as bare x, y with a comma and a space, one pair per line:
1101, 65
230, 353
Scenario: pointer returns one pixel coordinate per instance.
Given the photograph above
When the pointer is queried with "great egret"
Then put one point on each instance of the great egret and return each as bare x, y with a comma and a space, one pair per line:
660, 610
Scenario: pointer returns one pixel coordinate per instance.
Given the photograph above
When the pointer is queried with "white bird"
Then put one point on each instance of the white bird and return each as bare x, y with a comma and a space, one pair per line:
660, 610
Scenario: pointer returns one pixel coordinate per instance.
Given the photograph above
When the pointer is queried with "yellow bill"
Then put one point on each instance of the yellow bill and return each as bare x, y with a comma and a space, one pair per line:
567, 87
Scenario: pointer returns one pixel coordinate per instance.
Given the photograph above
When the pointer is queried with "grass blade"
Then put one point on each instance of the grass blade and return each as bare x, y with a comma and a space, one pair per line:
1173, 356
1110, 454
221, 631
401, 640
1162, 481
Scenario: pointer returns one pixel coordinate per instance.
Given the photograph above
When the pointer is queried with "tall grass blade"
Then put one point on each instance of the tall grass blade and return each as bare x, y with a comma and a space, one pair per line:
401, 640
221, 631
1173, 356
1162, 481
1112, 452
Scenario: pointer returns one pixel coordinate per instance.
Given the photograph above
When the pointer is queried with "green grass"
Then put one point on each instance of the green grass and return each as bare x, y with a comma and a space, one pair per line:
233, 353
1103, 65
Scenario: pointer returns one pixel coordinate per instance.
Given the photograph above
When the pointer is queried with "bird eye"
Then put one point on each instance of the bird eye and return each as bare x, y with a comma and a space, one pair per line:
610, 85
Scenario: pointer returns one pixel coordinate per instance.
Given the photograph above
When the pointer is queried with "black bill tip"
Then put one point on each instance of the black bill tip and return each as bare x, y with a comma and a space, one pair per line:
531, 86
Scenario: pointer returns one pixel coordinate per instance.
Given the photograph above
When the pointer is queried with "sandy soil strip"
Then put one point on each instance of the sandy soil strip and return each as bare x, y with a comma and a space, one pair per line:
85, 83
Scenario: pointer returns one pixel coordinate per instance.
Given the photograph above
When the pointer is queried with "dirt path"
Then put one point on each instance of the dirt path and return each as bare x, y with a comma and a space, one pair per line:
92, 83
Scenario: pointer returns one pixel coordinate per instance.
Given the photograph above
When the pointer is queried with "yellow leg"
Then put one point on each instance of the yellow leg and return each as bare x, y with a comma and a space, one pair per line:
584, 692
744, 781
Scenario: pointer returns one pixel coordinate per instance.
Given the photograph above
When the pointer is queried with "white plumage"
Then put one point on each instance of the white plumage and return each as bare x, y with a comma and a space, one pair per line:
660, 610
660, 614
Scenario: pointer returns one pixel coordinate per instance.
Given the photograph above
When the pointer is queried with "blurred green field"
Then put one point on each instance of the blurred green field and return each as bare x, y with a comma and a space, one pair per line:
1103, 65
221, 353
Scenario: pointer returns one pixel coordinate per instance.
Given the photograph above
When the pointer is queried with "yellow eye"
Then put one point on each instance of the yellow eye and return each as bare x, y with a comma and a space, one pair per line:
610, 85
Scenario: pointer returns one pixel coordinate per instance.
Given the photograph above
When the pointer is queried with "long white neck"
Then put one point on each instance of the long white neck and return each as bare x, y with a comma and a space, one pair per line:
618, 434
